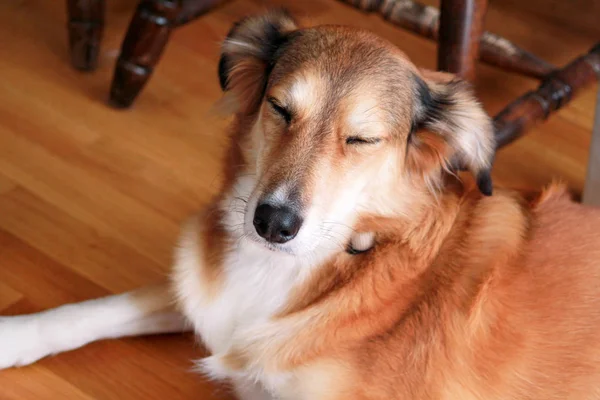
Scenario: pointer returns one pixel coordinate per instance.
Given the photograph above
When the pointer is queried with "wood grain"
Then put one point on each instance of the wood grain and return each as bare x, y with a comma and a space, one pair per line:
85, 26
555, 91
460, 30
91, 197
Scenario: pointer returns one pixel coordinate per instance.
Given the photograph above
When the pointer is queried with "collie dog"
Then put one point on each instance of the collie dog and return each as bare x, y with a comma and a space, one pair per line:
355, 249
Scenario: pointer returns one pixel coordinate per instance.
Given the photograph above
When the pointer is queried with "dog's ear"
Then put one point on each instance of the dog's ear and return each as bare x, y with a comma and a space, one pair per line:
249, 53
450, 130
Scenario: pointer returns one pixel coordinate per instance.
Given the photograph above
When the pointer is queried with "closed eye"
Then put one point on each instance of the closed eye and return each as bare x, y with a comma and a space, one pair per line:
279, 109
357, 140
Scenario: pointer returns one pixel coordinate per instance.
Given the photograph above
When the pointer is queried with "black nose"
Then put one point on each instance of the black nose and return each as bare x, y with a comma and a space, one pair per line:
276, 224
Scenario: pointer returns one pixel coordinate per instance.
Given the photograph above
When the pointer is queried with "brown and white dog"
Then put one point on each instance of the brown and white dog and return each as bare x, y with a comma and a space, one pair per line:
343, 259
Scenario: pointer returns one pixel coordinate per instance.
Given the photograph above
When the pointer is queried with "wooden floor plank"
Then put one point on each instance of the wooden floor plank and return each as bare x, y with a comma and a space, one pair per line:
37, 384
77, 193
79, 247
8, 295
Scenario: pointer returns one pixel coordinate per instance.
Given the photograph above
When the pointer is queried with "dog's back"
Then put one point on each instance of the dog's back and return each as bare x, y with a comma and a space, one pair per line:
509, 309
553, 300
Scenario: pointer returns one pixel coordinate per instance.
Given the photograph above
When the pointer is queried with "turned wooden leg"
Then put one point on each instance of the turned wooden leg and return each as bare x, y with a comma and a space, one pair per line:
424, 20
192, 9
591, 191
85, 24
142, 47
552, 94
461, 26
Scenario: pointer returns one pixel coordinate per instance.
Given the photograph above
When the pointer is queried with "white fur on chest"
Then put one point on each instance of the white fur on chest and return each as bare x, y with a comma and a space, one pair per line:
255, 286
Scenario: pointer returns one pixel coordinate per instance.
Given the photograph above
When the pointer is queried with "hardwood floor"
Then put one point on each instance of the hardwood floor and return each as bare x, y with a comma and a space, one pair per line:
91, 197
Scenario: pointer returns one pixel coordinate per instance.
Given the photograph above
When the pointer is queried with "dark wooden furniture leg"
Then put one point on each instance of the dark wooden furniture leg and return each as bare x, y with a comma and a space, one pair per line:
424, 21
85, 25
142, 47
146, 38
554, 92
461, 26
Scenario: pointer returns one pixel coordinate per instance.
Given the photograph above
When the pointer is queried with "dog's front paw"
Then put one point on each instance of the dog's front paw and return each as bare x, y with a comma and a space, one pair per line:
21, 342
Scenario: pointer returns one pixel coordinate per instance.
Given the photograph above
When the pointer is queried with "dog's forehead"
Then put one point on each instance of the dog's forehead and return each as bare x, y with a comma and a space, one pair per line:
344, 55
347, 70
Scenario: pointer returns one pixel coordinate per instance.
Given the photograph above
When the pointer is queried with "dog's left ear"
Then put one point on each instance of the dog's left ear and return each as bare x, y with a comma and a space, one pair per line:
249, 53
450, 130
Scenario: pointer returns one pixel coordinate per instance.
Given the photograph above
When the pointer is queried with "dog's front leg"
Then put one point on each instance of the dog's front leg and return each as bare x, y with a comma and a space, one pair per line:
27, 338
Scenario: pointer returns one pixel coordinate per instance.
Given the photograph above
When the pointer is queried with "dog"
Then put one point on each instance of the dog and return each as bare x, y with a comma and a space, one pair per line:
346, 256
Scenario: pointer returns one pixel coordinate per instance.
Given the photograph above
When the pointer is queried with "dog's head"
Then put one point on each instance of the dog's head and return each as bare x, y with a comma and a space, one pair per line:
341, 123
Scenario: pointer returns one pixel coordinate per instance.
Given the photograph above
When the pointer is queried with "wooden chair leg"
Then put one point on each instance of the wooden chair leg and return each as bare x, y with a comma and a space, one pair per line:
423, 20
461, 26
591, 191
85, 25
554, 92
192, 9
142, 47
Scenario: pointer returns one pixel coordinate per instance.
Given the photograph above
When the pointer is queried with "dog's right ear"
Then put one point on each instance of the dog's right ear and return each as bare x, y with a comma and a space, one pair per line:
248, 55
450, 130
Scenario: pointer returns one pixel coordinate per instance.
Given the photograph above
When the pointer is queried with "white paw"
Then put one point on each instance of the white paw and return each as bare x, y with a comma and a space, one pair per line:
21, 342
